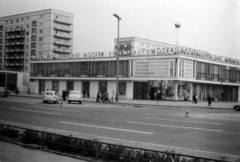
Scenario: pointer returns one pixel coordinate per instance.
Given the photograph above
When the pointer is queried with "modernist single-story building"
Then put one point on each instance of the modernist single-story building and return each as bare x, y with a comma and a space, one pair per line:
147, 70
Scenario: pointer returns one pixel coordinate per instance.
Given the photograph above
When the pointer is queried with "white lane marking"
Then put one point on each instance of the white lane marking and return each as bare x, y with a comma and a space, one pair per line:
163, 125
35, 111
54, 109
182, 121
94, 126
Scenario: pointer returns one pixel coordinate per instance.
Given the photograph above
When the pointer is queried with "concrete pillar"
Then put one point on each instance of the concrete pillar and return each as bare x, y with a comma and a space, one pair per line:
191, 91
77, 85
48, 85
62, 86
36, 88
177, 68
93, 88
111, 89
195, 69
176, 91
129, 90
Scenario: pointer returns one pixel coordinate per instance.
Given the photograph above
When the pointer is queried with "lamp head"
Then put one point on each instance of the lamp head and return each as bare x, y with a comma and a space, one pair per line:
115, 15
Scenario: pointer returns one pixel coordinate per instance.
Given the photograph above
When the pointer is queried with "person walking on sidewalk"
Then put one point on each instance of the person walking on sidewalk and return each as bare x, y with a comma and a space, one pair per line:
193, 99
196, 97
209, 100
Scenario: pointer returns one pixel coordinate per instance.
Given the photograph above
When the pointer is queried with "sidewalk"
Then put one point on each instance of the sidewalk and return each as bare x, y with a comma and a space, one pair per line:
17, 153
180, 104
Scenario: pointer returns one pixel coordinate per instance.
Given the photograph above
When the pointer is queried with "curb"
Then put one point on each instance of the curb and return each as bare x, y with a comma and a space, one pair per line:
131, 105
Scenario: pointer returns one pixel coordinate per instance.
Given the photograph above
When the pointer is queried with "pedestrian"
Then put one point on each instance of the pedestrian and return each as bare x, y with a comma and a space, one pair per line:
104, 97
64, 94
196, 97
209, 100
98, 97
193, 99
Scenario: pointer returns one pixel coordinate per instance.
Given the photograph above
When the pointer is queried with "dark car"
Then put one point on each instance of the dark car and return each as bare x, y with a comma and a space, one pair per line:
237, 106
4, 92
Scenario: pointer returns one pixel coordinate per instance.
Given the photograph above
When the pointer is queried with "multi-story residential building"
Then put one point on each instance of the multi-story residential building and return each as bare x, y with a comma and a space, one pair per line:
34, 34
147, 69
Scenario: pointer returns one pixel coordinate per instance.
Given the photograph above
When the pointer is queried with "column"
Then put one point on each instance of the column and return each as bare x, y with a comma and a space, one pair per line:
176, 91
191, 91
177, 68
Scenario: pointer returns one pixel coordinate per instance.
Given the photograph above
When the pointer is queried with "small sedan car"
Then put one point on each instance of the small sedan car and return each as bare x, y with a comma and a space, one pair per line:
236, 107
75, 96
50, 96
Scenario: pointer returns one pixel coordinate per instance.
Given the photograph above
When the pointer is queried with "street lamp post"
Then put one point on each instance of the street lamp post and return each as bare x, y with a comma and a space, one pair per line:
119, 18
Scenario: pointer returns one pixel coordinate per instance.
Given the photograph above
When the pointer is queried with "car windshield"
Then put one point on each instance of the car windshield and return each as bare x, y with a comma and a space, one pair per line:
74, 93
49, 93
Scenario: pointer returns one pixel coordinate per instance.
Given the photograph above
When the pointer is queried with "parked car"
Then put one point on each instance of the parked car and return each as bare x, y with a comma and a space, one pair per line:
75, 96
50, 96
237, 106
4, 92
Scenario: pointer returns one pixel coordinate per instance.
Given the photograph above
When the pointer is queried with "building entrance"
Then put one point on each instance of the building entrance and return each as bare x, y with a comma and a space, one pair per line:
140, 90
85, 89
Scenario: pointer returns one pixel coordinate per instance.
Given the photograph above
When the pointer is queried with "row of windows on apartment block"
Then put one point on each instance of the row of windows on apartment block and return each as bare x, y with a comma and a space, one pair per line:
34, 23
34, 32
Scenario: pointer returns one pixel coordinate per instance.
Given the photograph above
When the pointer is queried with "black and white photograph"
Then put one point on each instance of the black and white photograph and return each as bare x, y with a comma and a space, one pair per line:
119, 80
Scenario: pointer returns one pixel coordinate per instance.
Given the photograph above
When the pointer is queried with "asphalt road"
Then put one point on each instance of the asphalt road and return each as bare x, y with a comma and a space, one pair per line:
207, 130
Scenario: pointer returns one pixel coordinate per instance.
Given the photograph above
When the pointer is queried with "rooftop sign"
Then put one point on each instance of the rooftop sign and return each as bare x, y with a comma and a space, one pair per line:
141, 52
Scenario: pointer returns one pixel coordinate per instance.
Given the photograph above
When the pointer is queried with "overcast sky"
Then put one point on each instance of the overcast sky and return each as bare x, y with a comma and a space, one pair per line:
208, 25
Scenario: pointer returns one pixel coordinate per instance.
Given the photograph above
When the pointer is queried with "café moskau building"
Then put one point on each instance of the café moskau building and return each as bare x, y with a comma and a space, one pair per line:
147, 70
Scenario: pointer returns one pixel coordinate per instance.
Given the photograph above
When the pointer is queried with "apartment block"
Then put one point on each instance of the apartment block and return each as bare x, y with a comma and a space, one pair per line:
41, 33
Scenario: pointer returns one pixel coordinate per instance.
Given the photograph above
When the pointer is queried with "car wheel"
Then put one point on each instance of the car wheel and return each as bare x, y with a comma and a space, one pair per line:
237, 108
80, 102
69, 101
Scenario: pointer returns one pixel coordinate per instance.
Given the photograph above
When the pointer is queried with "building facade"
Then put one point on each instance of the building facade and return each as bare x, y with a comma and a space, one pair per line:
35, 34
147, 70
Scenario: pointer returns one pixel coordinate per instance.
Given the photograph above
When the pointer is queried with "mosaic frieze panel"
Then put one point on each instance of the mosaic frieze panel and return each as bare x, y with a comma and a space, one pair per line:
165, 89
153, 68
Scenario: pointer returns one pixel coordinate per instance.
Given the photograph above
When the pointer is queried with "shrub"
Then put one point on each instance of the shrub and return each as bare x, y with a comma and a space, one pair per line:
30, 137
11, 133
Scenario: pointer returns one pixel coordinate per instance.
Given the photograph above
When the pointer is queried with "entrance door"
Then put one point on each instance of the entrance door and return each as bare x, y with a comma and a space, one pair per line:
140, 90
41, 86
85, 89
103, 87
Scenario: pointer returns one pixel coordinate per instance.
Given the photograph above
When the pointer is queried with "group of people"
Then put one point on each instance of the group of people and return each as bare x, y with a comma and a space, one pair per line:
210, 99
102, 97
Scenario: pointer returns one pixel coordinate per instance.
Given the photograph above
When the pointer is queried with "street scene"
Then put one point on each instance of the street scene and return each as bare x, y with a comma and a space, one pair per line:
120, 80
202, 131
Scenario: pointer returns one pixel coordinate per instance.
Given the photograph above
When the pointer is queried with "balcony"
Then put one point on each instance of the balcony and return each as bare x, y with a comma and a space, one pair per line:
62, 36
62, 51
63, 21
62, 43
62, 28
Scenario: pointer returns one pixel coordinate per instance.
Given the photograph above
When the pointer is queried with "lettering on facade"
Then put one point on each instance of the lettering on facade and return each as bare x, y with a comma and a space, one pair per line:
162, 50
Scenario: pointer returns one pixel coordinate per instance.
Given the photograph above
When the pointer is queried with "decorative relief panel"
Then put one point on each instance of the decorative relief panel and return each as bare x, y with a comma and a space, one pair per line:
188, 69
153, 68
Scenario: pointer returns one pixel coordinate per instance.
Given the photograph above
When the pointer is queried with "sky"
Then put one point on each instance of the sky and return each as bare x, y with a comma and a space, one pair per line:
208, 25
